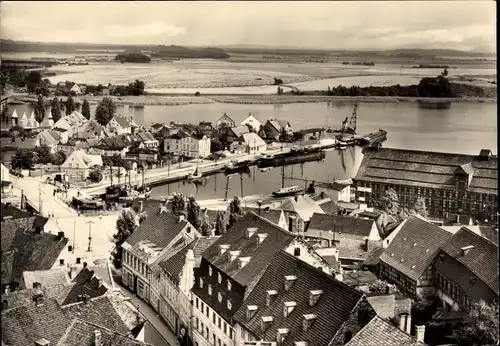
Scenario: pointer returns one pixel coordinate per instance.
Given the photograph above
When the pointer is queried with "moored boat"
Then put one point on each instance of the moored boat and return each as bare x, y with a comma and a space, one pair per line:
288, 191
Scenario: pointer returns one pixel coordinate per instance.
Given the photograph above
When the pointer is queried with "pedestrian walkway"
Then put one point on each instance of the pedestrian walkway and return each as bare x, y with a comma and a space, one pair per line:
153, 318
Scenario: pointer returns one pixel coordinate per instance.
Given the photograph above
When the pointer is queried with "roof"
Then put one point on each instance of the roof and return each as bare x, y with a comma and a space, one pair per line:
482, 260
253, 139
414, 247
159, 228
81, 333
358, 277
17, 143
24, 325
99, 311
7, 210
304, 206
427, 169
86, 282
379, 332
345, 224
25, 297
260, 254
83, 160
46, 277
46, 138
328, 207
174, 264
240, 130
373, 257
278, 124
331, 310
122, 121
126, 309
225, 117
272, 215
25, 250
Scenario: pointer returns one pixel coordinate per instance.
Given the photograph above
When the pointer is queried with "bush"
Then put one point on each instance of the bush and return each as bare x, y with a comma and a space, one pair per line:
95, 176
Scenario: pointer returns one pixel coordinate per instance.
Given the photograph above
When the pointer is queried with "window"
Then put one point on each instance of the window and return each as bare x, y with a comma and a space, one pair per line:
210, 270
228, 285
219, 322
202, 307
209, 290
229, 305
61, 262
206, 332
213, 338
296, 251
218, 342
219, 278
201, 284
219, 297
225, 327
196, 302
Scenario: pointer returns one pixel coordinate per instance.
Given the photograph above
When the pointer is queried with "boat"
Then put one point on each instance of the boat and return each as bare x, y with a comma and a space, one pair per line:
267, 157
196, 175
265, 169
288, 191
342, 145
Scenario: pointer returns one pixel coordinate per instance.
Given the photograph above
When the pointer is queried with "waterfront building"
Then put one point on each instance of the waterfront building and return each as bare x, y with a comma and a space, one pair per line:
407, 262
449, 183
78, 165
225, 121
294, 303
235, 133
153, 238
69, 124
119, 125
229, 270
252, 121
274, 128
176, 281
187, 145
254, 144
466, 271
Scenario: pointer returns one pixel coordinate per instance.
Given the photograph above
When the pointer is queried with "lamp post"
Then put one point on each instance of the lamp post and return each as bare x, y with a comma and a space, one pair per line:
90, 222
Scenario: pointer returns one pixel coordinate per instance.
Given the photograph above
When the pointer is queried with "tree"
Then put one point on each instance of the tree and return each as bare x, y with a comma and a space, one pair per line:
178, 203
70, 105
234, 210
33, 80
55, 109
105, 111
480, 326
125, 226
78, 105
216, 145
23, 159
205, 224
43, 155
220, 223
86, 109
39, 109
59, 158
390, 202
420, 207
193, 212
95, 176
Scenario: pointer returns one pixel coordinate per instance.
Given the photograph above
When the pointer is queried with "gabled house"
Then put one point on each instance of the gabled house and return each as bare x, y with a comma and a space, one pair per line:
274, 128
155, 236
235, 133
79, 164
295, 303
231, 267
254, 144
177, 277
119, 125
298, 212
408, 260
252, 122
276, 216
90, 130
48, 138
184, 144
147, 140
466, 271
111, 146
76, 89
225, 121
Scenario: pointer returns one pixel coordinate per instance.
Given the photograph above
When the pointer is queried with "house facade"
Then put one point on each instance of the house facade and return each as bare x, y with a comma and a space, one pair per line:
274, 128
186, 145
454, 183
225, 121
79, 164
252, 121
254, 144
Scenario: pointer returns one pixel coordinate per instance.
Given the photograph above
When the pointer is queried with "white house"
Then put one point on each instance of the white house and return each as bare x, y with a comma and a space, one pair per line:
69, 124
46, 138
252, 121
225, 121
184, 144
78, 165
254, 144
119, 125
76, 88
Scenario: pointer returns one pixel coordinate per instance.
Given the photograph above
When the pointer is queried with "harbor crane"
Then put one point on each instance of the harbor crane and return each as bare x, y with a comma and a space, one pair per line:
351, 128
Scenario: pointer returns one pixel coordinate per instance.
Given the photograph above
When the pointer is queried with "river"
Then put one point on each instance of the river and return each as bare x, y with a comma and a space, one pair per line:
463, 128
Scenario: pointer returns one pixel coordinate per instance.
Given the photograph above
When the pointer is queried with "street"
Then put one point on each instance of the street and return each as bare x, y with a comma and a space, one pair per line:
151, 336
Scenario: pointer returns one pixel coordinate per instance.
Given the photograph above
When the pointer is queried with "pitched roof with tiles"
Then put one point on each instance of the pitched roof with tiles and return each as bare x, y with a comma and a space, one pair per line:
414, 247
328, 207
46, 277
159, 228
272, 215
240, 130
99, 311
252, 139
81, 333
335, 303
46, 138
260, 254
345, 224
86, 283
122, 121
25, 250
482, 260
25, 297
7, 210
427, 169
126, 309
24, 325
173, 266
304, 206
379, 332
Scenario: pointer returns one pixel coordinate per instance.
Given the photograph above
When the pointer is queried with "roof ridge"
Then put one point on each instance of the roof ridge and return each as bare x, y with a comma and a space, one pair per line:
423, 151
66, 332
273, 224
486, 240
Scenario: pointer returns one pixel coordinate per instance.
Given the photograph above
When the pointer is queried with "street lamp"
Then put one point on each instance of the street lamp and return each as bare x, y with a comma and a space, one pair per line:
90, 222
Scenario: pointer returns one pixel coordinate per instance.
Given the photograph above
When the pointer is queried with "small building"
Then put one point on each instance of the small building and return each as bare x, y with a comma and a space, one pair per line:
252, 122
184, 144
76, 89
274, 128
408, 260
254, 144
79, 164
234, 133
49, 138
119, 125
298, 212
225, 121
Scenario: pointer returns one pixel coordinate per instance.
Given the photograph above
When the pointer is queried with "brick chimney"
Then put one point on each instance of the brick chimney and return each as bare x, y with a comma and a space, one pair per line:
97, 338
420, 333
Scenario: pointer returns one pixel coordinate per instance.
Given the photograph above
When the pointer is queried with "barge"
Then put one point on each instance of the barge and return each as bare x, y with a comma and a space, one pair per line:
288, 191
290, 158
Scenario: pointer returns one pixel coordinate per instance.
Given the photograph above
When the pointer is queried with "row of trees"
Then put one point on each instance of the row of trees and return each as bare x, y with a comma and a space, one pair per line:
26, 159
41, 107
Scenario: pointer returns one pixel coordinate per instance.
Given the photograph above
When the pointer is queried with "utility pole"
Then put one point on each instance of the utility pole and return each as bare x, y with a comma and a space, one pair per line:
111, 173
227, 187
90, 222
241, 184
282, 176
142, 171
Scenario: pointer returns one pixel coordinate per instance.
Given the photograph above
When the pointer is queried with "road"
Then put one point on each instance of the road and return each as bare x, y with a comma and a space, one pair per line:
153, 337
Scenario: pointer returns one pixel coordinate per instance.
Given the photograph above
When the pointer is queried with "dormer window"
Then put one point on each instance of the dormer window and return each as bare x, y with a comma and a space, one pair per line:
219, 297
209, 290
223, 248
201, 283
288, 308
243, 261
251, 311
270, 296
261, 237
314, 296
229, 305
266, 322
233, 255
219, 278
289, 281
307, 322
210, 270
282, 334
251, 231
228, 285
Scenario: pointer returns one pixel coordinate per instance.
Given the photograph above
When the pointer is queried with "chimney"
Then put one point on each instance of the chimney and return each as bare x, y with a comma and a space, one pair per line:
282, 333
266, 322
402, 322
270, 295
42, 342
296, 198
466, 249
288, 308
97, 338
307, 321
84, 264
408, 323
163, 208
251, 310
261, 237
251, 231
314, 297
223, 248
72, 272
322, 195
181, 217
289, 281
420, 333
233, 255
60, 235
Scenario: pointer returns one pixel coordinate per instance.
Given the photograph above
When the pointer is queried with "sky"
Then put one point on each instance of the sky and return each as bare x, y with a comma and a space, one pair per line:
465, 25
